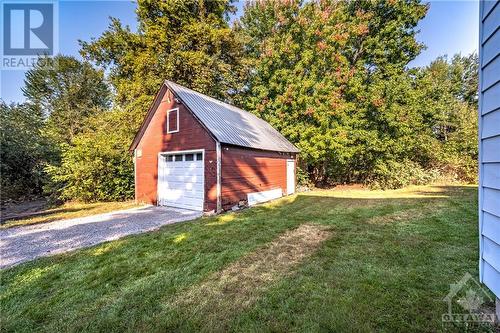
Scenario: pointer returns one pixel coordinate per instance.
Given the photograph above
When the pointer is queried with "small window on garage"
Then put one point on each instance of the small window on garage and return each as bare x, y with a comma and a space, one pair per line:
170, 158
199, 157
178, 158
173, 120
189, 157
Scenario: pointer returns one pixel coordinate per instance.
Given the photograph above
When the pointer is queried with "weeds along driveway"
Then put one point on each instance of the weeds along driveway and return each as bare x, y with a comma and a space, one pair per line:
20, 244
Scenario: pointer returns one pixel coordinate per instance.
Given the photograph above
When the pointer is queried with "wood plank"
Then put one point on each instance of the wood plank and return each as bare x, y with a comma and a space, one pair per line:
490, 253
488, 5
491, 227
491, 175
491, 23
259, 197
490, 149
491, 124
491, 98
490, 48
490, 73
491, 278
491, 201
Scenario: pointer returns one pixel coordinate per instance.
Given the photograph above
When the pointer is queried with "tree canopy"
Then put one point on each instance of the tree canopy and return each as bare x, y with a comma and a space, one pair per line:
187, 41
334, 77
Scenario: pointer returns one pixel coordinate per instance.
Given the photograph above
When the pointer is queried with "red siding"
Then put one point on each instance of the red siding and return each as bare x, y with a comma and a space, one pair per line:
245, 170
191, 135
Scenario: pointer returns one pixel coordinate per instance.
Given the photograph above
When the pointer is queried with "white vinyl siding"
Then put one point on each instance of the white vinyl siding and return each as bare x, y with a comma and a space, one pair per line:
489, 145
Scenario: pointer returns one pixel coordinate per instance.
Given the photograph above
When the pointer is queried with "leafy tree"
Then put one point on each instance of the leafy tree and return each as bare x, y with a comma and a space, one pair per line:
327, 75
65, 91
97, 165
449, 94
23, 151
187, 41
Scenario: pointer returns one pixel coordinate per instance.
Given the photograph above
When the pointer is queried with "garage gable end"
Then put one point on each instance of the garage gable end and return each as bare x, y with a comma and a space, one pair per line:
166, 97
171, 133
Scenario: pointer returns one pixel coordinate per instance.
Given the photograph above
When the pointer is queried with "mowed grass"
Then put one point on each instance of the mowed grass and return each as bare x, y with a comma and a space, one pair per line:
69, 210
322, 261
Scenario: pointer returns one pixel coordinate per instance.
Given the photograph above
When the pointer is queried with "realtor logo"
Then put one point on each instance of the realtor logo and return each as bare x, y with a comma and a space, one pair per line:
28, 32
28, 29
470, 297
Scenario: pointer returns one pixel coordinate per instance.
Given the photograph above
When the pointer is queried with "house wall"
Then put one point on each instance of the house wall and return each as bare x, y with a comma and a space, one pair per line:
489, 145
247, 170
191, 135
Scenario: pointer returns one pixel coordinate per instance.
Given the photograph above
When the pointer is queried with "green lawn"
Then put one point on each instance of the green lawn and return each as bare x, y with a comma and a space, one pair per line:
328, 261
69, 210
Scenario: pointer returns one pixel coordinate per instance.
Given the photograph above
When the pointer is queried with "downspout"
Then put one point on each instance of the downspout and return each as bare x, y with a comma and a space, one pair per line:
135, 175
219, 159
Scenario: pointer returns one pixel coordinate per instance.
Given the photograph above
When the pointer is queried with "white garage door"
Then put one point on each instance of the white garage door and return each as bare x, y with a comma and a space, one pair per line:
180, 180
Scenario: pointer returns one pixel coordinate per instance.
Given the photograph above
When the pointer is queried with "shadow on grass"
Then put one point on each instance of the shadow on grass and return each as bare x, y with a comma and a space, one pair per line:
130, 285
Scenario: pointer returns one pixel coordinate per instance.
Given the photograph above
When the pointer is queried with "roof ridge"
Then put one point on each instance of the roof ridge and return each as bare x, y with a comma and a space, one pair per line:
210, 97
231, 124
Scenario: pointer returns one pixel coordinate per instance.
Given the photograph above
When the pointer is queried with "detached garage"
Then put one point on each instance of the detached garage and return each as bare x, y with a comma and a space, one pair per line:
195, 152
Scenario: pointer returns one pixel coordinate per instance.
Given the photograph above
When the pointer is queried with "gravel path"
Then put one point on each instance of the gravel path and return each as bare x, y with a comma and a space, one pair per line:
19, 244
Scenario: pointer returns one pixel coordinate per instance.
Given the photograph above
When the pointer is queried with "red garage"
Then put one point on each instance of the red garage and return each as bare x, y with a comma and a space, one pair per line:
193, 151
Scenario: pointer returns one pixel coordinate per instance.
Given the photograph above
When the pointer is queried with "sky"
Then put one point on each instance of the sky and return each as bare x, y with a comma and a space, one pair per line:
450, 27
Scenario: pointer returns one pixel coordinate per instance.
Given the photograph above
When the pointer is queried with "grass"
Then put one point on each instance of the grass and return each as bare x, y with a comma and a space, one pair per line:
338, 261
69, 210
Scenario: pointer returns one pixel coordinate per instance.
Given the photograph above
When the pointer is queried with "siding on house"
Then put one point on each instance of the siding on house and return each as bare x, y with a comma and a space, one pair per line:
489, 145
155, 139
246, 170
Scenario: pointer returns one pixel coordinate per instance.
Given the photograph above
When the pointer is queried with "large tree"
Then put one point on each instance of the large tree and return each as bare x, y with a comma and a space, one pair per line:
448, 98
65, 91
187, 41
23, 151
331, 76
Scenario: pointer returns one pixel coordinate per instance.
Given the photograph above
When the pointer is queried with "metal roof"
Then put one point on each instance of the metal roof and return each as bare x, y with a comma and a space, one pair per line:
230, 124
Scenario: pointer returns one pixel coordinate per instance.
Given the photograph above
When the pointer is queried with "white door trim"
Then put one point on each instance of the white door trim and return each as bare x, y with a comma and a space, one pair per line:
292, 191
181, 152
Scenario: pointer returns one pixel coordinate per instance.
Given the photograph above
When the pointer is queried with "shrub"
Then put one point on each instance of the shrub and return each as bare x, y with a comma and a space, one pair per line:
395, 174
97, 165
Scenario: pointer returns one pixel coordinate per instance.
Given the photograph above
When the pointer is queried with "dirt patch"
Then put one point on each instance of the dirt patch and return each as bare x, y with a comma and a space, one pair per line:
20, 210
407, 215
239, 285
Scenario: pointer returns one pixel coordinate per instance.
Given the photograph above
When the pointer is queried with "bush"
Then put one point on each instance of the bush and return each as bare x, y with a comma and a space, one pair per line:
97, 166
394, 174
23, 152
303, 179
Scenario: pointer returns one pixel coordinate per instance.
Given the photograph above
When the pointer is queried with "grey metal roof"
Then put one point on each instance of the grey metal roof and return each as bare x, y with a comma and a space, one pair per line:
230, 124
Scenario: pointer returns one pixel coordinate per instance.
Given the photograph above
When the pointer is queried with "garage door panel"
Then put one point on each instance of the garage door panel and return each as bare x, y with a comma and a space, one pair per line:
186, 204
180, 196
183, 167
182, 179
181, 183
188, 189
179, 170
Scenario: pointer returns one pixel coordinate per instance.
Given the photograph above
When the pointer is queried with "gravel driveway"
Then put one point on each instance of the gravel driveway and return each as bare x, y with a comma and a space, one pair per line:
19, 244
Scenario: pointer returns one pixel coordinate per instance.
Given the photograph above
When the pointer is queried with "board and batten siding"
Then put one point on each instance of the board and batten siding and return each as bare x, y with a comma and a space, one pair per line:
489, 145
